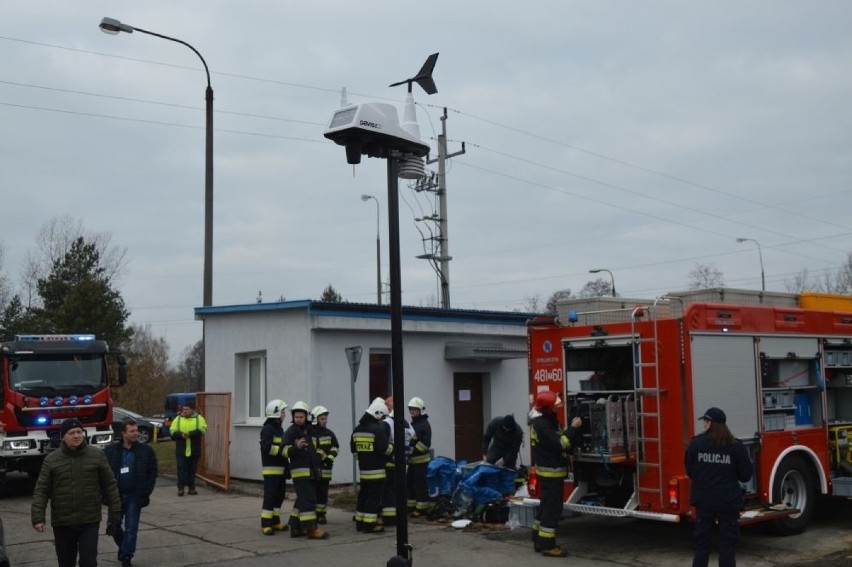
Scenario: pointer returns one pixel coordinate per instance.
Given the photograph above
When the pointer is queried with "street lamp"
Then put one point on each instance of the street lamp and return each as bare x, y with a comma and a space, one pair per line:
759, 255
611, 277
378, 251
114, 27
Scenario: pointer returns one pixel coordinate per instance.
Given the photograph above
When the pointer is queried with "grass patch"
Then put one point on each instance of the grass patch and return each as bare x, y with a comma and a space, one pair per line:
166, 463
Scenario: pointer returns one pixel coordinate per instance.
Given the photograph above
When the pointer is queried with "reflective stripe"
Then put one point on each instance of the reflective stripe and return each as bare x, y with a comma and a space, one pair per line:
547, 533
266, 514
551, 472
566, 444
300, 473
376, 474
273, 471
274, 450
419, 459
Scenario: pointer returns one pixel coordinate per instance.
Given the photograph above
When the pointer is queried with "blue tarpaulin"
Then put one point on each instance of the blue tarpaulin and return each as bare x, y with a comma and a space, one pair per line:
488, 482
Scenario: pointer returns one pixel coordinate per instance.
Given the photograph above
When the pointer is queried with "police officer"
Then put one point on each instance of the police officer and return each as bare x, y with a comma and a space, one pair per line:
275, 467
550, 446
716, 462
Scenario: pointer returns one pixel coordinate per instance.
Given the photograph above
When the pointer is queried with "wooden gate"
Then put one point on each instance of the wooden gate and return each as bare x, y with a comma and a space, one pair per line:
214, 464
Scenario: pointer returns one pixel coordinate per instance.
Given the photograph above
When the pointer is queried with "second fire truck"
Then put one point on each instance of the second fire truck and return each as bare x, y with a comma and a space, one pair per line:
640, 374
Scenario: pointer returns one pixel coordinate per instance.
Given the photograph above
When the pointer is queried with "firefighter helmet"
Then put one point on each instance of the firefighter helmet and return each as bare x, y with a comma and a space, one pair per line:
300, 406
377, 408
318, 411
547, 401
417, 403
275, 408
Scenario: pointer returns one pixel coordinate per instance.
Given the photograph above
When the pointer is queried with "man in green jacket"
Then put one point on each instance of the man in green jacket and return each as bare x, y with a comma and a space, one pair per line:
76, 478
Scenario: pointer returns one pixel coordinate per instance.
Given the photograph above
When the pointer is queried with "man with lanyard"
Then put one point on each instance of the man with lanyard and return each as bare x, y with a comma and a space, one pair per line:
550, 447
134, 465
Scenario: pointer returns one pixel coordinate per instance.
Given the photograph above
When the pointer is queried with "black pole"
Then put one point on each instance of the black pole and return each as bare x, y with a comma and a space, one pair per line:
402, 547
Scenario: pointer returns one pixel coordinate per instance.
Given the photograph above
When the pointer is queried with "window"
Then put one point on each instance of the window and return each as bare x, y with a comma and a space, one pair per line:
250, 387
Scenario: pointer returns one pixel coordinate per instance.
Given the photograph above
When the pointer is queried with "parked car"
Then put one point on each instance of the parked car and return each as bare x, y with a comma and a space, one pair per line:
146, 426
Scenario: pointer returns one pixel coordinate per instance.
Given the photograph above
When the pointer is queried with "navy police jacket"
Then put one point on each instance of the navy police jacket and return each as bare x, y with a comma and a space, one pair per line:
716, 472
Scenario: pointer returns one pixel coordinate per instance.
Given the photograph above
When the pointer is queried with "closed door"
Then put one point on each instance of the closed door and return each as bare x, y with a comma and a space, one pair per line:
467, 408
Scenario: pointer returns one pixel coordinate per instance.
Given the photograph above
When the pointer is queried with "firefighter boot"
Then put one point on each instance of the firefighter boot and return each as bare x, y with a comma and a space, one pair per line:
267, 530
279, 527
317, 533
296, 532
554, 552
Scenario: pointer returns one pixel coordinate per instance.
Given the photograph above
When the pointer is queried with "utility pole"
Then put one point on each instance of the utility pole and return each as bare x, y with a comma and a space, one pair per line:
443, 255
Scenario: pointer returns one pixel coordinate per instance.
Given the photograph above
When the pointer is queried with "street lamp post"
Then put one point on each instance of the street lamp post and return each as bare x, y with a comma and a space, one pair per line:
760, 256
611, 277
114, 27
378, 251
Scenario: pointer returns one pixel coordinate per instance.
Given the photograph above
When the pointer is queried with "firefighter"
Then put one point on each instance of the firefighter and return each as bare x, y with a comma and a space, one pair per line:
371, 443
275, 468
300, 447
389, 487
327, 449
418, 459
550, 446
716, 462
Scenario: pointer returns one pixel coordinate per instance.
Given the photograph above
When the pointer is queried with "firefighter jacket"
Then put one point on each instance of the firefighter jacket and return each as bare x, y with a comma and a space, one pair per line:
421, 441
327, 449
371, 442
272, 456
716, 472
409, 433
304, 463
193, 427
550, 446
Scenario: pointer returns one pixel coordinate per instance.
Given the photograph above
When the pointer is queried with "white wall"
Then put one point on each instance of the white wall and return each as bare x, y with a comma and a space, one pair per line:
306, 361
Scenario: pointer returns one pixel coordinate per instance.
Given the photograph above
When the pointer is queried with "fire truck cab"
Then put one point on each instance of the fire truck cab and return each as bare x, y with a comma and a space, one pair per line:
47, 379
640, 373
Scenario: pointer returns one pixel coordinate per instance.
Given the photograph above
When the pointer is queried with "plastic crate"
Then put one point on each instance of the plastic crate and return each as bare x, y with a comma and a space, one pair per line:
523, 513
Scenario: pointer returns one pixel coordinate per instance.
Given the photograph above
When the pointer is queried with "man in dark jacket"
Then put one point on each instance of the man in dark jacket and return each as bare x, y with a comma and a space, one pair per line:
717, 462
134, 466
502, 441
75, 478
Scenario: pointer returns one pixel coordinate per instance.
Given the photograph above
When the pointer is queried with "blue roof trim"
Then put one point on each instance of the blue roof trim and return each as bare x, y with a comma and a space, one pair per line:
372, 311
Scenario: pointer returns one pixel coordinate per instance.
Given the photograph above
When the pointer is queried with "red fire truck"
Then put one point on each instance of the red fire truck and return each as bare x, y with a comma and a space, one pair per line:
46, 380
640, 373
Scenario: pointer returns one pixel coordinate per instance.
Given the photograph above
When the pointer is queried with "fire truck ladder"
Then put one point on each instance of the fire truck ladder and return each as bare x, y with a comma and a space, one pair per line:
649, 455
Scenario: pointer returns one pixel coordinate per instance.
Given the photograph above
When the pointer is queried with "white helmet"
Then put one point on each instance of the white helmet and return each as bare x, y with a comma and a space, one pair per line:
318, 411
276, 408
378, 409
300, 406
417, 403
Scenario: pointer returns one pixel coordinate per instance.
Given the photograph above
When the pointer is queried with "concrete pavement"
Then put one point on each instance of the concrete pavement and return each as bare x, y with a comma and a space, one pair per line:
219, 529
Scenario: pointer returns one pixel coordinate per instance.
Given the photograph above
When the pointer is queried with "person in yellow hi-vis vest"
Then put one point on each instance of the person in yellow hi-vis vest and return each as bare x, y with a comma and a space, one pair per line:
187, 430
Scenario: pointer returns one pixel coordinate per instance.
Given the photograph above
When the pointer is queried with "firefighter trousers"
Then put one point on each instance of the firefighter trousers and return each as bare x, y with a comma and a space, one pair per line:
549, 512
274, 491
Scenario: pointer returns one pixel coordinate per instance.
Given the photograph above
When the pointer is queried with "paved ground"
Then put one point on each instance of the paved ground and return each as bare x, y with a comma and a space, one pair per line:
219, 529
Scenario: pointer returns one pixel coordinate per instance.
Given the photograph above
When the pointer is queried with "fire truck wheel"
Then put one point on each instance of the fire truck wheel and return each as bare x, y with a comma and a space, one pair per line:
794, 486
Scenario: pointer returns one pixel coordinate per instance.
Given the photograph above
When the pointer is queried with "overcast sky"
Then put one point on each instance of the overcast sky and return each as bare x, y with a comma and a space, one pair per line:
642, 137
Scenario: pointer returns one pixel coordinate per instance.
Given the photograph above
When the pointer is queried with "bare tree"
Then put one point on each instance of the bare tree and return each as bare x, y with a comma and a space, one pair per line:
149, 372
552, 305
596, 288
532, 304
827, 282
5, 285
705, 276
53, 241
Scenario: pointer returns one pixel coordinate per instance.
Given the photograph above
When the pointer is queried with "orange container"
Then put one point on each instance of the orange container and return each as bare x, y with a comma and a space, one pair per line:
825, 301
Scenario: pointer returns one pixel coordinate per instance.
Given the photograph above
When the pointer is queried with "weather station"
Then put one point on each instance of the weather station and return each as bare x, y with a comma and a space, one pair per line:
373, 129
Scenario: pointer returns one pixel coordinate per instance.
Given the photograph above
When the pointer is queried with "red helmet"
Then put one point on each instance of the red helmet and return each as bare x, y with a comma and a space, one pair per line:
545, 402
